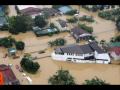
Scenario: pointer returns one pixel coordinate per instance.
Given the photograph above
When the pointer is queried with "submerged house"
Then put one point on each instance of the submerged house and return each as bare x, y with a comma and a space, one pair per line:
7, 77
3, 19
30, 10
115, 53
41, 32
88, 53
61, 24
80, 34
65, 9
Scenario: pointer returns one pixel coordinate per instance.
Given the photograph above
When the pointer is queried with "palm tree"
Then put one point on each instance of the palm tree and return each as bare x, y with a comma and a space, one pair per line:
95, 81
62, 77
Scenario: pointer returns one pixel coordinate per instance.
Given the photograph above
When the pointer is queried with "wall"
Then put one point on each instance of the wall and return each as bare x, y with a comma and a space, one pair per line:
116, 57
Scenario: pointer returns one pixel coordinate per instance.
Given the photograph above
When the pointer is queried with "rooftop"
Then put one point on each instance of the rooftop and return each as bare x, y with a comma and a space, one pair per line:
62, 23
78, 31
65, 9
80, 49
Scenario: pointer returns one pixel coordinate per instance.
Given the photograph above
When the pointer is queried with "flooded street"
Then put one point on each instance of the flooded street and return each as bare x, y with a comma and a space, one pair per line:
110, 73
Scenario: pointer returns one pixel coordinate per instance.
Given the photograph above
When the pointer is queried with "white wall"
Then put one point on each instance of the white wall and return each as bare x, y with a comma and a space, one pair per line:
116, 57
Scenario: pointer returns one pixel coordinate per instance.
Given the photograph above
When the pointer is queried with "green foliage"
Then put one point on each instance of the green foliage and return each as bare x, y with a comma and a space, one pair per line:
52, 25
95, 81
62, 77
40, 21
86, 18
7, 42
57, 42
72, 20
20, 45
118, 23
29, 66
86, 28
72, 12
56, 6
5, 27
19, 24
110, 14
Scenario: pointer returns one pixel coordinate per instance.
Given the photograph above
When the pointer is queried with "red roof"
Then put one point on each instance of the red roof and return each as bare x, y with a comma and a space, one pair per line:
116, 50
30, 11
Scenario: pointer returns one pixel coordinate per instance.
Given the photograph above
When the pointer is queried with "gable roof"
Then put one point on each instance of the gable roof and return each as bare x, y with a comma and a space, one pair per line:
8, 75
80, 49
50, 11
62, 23
78, 31
30, 11
95, 47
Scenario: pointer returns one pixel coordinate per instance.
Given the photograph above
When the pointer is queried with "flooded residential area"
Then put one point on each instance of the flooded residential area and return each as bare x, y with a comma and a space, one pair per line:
102, 30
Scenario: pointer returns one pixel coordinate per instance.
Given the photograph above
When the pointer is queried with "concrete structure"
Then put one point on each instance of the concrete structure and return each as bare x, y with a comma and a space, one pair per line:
88, 53
115, 53
79, 34
61, 24
7, 77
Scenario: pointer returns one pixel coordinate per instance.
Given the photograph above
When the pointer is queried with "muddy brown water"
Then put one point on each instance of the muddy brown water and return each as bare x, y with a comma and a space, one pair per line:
110, 73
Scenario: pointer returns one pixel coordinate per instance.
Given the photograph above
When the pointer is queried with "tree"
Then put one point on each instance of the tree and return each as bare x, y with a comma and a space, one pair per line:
118, 23
62, 77
40, 21
29, 66
6, 9
7, 42
57, 42
20, 45
19, 24
95, 81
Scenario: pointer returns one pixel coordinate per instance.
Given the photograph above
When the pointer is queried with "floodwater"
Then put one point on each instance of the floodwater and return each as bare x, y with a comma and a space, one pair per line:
110, 73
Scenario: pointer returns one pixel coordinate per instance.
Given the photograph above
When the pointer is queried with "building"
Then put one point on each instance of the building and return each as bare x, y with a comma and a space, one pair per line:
115, 53
31, 10
61, 24
34, 10
3, 19
80, 34
7, 77
11, 51
88, 53
49, 12
65, 9
41, 32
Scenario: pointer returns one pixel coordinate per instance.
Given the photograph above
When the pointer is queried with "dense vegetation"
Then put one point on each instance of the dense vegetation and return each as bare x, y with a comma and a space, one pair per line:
110, 14
9, 42
19, 45
115, 39
86, 18
57, 42
86, 28
40, 21
118, 23
62, 77
95, 81
28, 65
71, 13
72, 20
19, 24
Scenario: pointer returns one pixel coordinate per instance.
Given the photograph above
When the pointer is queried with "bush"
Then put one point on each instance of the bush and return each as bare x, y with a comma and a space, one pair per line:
29, 66
7, 42
62, 77
72, 20
86, 18
5, 27
57, 42
86, 28
20, 45
72, 12
95, 81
